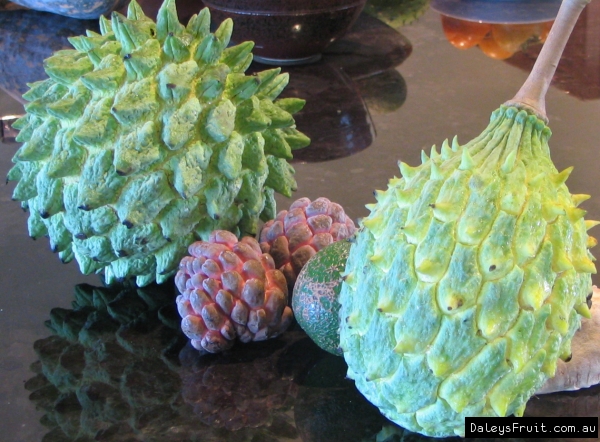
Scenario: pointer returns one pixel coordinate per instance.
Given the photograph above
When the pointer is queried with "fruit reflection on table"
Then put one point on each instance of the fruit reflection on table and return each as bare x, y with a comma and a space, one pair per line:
116, 367
496, 40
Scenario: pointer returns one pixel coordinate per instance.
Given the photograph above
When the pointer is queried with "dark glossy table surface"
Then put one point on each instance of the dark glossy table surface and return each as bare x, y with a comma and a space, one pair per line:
80, 361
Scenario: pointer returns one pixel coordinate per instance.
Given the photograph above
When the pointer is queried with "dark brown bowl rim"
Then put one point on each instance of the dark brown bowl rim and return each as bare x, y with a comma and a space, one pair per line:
282, 7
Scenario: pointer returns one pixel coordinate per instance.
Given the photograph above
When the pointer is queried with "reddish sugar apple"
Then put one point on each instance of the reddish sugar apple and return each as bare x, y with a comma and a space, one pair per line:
297, 234
230, 289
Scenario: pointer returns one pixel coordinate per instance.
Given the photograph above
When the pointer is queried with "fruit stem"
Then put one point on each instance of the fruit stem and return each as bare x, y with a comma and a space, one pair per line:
532, 95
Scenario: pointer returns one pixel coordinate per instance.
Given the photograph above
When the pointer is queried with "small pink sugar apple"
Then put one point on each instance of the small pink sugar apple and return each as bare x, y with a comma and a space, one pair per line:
230, 290
295, 235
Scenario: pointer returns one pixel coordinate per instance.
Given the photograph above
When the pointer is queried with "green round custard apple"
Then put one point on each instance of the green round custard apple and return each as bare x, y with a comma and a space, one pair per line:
467, 281
147, 137
315, 299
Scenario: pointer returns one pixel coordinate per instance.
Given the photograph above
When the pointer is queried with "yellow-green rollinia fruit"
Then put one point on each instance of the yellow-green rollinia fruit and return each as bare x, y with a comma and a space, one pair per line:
467, 280
149, 136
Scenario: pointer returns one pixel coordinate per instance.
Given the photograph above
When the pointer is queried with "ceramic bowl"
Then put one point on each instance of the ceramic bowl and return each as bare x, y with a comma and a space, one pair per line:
499, 11
287, 32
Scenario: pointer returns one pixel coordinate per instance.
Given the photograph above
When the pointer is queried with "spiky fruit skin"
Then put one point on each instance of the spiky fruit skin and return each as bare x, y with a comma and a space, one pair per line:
315, 299
111, 370
230, 290
297, 234
473, 270
147, 137
108, 362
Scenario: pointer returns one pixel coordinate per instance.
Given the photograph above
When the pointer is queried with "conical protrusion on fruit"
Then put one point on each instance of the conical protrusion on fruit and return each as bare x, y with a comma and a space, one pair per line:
134, 11
455, 146
584, 265
209, 50
167, 21
272, 83
551, 210
552, 348
243, 87
239, 57
349, 278
537, 180
583, 310
434, 153
466, 162
561, 177
127, 32
407, 171
395, 182
105, 25
176, 49
405, 198
503, 394
509, 163
428, 270
372, 223
579, 198
436, 173
410, 229
575, 214
491, 361
520, 410
224, 31
560, 262
590, 224
199, 24
82, 44
13, 174
377, 259
591, 242
424, 157
446, 151
445, 211
558, 321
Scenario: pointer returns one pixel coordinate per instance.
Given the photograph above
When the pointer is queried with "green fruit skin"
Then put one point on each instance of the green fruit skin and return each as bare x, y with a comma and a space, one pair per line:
467, 281
149, 136
316, 292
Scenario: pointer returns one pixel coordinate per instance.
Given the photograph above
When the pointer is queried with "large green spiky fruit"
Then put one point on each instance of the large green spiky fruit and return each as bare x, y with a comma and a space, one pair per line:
467, 280
149, 136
